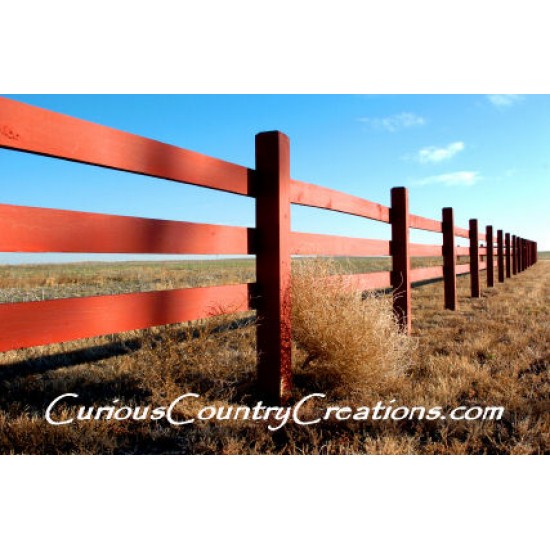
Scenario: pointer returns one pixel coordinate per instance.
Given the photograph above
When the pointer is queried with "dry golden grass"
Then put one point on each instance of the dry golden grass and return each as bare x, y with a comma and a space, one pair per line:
344, 334
49, 281
493, 351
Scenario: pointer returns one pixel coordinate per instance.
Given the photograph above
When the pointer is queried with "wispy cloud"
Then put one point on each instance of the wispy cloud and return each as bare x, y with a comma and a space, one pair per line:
504, 100
395, 122
451, 179
438, 154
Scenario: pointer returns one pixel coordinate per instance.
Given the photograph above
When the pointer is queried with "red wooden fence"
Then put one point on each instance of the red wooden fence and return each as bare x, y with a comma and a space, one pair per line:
24, 229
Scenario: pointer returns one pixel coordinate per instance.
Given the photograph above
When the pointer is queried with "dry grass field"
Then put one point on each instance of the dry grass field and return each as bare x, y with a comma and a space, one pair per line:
23, 283
494, 351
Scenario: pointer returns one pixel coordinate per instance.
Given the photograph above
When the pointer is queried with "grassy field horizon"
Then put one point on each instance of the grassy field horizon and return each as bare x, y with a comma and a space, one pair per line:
47, 281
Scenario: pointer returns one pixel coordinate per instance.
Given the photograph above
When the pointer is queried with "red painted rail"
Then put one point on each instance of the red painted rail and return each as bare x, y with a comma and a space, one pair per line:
418, 222
37, 323
426, 273
307, 194
425, 250
30, 229
462, 233
35, 130
368, 281
327, 245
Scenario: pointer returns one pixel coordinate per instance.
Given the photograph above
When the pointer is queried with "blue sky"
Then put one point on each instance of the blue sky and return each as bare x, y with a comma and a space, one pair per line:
487, 156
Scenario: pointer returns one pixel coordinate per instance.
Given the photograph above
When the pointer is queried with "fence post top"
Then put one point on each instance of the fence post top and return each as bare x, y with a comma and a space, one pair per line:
272, 134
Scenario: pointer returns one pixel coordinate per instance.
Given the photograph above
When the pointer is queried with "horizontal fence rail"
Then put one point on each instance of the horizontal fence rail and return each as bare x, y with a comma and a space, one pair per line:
35, 130
418, 222
50, 321
306, 194
30, 229
327, 245
426, 273
367, 281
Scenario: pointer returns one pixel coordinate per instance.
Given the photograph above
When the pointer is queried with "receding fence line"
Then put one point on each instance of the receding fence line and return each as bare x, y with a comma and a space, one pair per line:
29, 229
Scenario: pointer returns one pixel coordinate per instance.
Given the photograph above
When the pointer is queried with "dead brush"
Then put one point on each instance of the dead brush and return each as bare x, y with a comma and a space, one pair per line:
351, 338
211, 357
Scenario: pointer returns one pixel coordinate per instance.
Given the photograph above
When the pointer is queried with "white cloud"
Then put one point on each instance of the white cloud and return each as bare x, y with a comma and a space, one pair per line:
504, 100
451, 179
396, 122
438, 154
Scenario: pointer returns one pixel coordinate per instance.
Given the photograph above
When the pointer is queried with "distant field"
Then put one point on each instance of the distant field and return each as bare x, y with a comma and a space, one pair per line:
50, 281
23, 283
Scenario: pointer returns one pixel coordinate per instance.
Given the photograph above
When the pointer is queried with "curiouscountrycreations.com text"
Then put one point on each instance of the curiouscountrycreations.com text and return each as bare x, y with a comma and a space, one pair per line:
275, 417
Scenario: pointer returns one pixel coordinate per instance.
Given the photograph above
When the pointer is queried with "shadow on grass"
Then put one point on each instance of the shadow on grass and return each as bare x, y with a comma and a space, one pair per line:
45, 363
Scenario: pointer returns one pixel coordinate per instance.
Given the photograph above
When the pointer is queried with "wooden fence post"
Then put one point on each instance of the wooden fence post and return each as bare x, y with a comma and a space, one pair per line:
490, 257
514, 256
508, 256
516, 250
272, 301
449, 258
500, 259
520, 255
474, 260
401, 260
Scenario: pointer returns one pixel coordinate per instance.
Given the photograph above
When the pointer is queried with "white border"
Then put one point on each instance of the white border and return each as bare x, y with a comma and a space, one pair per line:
274, 502
290, 46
